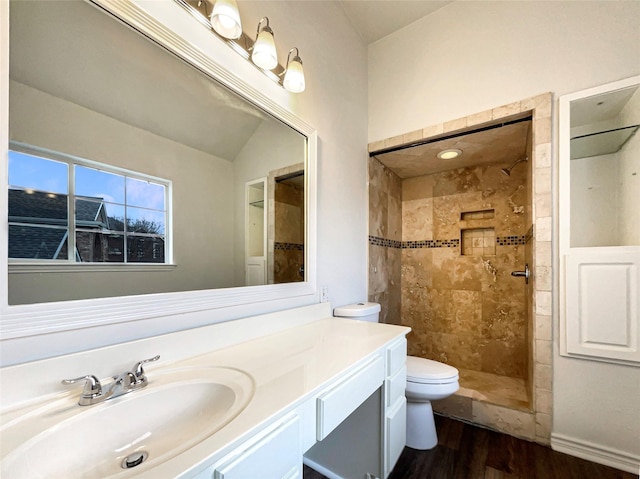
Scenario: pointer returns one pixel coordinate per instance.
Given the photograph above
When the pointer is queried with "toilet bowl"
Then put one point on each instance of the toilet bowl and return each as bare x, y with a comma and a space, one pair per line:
427, 381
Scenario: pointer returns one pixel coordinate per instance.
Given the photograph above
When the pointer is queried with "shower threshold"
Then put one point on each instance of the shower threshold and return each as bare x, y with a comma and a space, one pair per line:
494, 389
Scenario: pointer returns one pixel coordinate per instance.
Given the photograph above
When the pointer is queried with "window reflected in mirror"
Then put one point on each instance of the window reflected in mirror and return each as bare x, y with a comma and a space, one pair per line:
166, 210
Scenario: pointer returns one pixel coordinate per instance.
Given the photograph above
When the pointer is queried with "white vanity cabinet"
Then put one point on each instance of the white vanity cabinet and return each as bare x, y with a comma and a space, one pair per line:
325, 391
371, 408
395, 404
274, 453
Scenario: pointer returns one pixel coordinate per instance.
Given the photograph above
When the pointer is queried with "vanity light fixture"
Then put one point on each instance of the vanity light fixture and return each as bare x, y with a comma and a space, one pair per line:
449, 154
294, 74
225, 22
225, 19
264, 53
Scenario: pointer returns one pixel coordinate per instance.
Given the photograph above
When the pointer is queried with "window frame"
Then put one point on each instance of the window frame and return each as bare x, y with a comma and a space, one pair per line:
29, 265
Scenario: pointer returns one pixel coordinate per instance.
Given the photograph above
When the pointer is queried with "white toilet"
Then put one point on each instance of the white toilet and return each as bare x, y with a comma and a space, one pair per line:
427, 381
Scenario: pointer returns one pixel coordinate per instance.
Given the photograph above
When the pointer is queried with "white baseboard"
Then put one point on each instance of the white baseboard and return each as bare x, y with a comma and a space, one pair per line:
596, 453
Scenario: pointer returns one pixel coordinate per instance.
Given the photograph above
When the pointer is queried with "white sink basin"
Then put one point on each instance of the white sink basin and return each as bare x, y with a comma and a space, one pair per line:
178, 409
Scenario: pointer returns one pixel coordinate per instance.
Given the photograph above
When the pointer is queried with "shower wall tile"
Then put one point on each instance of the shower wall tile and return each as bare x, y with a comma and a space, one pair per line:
542, 180
394, 217
543, 229
543, 302
455, 125
433, 130
543, 155
506, 110
417, 220
540, 103
504, 358
544, 401
543, 278
385, 221
412, 136
543, 328
542, 130
378, 212
466, 310
543, 428
420, 187
479, 118
544, 376
378, 270
542, 204
544, 352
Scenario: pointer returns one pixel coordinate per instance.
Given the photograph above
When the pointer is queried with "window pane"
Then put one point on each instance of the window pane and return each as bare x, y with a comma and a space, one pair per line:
98, 215
99, 185
35, 242
100, 247
32, 172
37, 207
144, 194
145, 221
145, 249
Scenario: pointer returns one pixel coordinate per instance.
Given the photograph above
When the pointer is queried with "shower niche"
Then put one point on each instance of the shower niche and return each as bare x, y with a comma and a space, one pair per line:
477, 233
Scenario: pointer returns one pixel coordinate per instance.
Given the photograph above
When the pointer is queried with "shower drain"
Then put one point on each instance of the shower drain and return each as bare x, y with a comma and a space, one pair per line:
134, 459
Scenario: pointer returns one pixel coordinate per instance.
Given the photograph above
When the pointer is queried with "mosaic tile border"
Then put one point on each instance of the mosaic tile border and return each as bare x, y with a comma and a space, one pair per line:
511, 240
451, 243
288, 246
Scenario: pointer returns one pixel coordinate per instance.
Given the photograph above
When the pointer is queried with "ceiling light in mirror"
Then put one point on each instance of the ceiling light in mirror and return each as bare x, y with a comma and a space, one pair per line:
225, 19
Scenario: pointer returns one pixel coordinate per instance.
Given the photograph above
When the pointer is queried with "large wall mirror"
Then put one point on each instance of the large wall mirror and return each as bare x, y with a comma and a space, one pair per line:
133, 172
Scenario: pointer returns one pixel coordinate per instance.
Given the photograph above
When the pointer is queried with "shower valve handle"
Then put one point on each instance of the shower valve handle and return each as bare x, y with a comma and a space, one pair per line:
526, 273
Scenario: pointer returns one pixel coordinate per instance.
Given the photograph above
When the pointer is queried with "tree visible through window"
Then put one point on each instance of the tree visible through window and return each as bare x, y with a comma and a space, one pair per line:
118, 216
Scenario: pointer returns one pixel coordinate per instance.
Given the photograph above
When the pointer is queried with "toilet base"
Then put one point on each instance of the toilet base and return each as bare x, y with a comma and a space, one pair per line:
421, 428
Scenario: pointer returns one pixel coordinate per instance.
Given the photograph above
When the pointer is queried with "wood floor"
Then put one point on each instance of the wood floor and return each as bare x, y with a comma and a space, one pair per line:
470, 452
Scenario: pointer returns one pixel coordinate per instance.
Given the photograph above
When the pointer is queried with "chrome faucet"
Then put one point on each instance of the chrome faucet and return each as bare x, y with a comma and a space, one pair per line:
128, 381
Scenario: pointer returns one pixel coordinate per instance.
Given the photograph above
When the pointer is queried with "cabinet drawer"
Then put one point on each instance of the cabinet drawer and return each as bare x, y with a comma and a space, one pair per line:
396, 356
396, 434
395, 386
336, 404
277, 454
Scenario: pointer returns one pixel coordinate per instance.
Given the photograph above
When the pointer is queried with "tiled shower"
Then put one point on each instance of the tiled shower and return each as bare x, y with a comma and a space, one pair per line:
442, 247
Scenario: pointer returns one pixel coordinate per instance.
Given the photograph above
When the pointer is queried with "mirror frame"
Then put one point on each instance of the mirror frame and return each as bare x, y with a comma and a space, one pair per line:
170, 26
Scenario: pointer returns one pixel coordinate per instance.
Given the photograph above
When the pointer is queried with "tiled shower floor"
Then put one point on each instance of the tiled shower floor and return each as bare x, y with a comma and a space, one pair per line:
494, 389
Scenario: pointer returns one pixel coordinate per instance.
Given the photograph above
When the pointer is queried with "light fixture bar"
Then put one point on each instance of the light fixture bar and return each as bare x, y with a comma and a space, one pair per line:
242, 45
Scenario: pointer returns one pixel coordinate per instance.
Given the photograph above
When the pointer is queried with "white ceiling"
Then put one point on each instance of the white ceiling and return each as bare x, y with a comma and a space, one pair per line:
375, 19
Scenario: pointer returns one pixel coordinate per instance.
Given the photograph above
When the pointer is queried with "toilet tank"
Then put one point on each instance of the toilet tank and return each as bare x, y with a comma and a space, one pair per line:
360, 311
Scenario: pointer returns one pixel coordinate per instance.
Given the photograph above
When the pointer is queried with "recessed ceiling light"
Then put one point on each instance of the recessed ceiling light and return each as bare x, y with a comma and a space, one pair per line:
449, 154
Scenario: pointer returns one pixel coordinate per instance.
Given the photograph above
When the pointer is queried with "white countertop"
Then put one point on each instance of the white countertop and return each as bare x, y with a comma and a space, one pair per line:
287, 368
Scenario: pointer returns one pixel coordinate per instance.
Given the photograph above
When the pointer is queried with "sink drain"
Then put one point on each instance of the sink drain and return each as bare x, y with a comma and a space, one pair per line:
134, 459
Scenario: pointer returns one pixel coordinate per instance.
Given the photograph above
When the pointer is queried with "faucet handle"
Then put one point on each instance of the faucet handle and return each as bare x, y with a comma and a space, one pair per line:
92, 387
138, 372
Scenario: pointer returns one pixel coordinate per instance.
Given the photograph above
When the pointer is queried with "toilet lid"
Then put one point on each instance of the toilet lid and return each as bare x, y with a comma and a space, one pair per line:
421, 370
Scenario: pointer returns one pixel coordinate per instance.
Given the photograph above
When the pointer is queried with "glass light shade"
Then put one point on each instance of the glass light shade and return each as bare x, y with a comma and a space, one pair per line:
294, 76
225, 19
264, 50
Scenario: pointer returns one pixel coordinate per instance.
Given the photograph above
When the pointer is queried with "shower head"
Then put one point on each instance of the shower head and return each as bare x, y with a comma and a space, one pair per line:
507, 171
